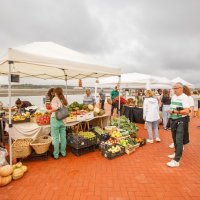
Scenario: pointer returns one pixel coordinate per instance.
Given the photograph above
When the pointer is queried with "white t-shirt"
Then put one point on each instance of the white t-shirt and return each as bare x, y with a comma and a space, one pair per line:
55, 104
179, 101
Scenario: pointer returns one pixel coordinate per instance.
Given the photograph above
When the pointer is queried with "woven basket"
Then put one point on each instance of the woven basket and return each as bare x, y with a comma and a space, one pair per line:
21, 148
41, 144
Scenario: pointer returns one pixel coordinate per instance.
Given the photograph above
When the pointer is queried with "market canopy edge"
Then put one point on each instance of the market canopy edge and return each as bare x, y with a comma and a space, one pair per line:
48, 60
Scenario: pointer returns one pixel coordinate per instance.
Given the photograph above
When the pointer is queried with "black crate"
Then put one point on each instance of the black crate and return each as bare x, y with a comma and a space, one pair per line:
79, 152
91, 142
143, 142
34, 156
111, 156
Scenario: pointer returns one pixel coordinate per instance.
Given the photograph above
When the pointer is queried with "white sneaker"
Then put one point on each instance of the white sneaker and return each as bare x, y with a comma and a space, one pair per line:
173, 163
171, 145
158, 139
150, 141
172, 156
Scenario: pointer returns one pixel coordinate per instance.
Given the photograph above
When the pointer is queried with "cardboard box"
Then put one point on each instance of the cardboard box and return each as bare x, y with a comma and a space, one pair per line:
89, 115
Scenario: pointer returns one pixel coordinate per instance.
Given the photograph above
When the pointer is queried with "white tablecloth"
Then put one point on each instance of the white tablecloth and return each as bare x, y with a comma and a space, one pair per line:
27, 130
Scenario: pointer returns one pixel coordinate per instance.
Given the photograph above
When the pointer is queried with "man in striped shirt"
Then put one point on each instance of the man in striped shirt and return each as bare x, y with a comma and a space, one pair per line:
179, 109
88, 98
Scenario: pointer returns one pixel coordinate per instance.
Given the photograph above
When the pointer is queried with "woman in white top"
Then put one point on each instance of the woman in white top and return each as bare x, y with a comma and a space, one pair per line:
151, 115
195, 98
58, 128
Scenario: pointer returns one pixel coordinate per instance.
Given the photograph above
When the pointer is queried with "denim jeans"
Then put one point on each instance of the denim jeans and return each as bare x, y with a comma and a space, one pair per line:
58, 132
165, 114
153, 125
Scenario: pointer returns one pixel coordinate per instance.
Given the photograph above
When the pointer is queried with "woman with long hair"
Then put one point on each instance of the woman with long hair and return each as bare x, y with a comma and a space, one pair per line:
165, 103
58, 128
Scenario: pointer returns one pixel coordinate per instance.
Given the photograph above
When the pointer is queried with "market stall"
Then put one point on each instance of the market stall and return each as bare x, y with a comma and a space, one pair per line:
47, 60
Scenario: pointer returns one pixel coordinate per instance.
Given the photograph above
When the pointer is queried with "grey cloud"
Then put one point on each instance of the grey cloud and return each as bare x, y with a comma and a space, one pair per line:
158, 37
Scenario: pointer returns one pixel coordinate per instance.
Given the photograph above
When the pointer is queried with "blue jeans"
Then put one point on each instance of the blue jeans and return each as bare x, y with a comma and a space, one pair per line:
153, 125
165, 114
58, 132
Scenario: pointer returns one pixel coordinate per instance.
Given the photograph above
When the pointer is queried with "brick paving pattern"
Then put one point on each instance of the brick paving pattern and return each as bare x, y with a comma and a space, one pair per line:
142, 175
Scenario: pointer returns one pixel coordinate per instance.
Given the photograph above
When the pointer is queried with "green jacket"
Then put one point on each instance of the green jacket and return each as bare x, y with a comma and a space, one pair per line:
114, 94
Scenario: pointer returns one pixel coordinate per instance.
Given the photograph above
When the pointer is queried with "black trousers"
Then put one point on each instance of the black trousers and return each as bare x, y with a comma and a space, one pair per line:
177, 128
102, 104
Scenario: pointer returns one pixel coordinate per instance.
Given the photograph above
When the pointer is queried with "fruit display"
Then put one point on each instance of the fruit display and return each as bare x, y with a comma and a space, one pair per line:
43, 119
125, 124
114, 149
124, 143
116, 134
75, 106
99, 130
87, 135
98, 112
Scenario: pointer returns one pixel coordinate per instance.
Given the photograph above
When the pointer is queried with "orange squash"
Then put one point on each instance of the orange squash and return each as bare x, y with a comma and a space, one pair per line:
6, 170
5, 180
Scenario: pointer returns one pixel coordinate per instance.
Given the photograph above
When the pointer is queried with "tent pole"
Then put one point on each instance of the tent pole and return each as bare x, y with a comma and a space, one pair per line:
65, 80
95, 90
10, 123
119, 85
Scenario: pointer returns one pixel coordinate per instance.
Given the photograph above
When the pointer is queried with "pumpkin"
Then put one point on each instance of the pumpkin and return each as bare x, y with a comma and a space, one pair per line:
17, 173
90, 107
19, 164
24, 168
6, 170
96, 110
5, 180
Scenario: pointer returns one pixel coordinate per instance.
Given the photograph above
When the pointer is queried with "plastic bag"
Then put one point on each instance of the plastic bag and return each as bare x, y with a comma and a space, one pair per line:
3, 154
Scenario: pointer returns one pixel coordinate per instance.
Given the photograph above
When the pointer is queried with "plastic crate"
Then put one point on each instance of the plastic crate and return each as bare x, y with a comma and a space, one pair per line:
110, 155
79, 152
92, 141
143, 142
73, 141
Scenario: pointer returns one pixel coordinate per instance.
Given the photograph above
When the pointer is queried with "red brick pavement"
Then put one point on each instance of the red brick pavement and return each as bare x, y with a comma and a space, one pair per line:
142, 175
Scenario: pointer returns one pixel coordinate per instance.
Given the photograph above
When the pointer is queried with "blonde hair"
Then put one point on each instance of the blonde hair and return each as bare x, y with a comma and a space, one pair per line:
149, 93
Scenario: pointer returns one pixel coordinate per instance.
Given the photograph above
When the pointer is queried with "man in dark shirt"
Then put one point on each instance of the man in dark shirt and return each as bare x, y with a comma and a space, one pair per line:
102, 98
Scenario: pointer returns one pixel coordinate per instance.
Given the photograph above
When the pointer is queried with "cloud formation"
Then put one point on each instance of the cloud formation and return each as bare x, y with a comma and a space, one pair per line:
158, 37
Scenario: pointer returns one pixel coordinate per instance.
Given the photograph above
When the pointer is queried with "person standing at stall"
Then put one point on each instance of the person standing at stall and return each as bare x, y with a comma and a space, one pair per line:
151, 115
195, 98
58, 128
89, 98
179, 110
113, 95
49, 97
102, 98
165, 105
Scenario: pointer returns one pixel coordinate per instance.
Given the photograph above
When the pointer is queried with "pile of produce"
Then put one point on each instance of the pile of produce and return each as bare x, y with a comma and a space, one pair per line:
99, 130
43, 119
114, 149
116, 134
87, 135
8, 172
125, 124
75, 106
127, 142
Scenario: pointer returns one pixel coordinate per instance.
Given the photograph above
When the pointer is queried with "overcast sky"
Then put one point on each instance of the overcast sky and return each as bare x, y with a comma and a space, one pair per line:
158, 37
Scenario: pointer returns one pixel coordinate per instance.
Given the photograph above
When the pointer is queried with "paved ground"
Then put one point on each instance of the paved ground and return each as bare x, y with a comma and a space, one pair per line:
141, 175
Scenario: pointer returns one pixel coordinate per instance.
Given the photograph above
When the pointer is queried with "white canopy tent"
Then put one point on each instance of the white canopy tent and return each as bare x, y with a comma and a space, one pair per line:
47, 60
137, 80
180, 80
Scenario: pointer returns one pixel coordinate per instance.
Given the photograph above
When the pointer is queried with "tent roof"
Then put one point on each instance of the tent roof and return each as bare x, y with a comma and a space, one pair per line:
48, 60
136, 80
178, 79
